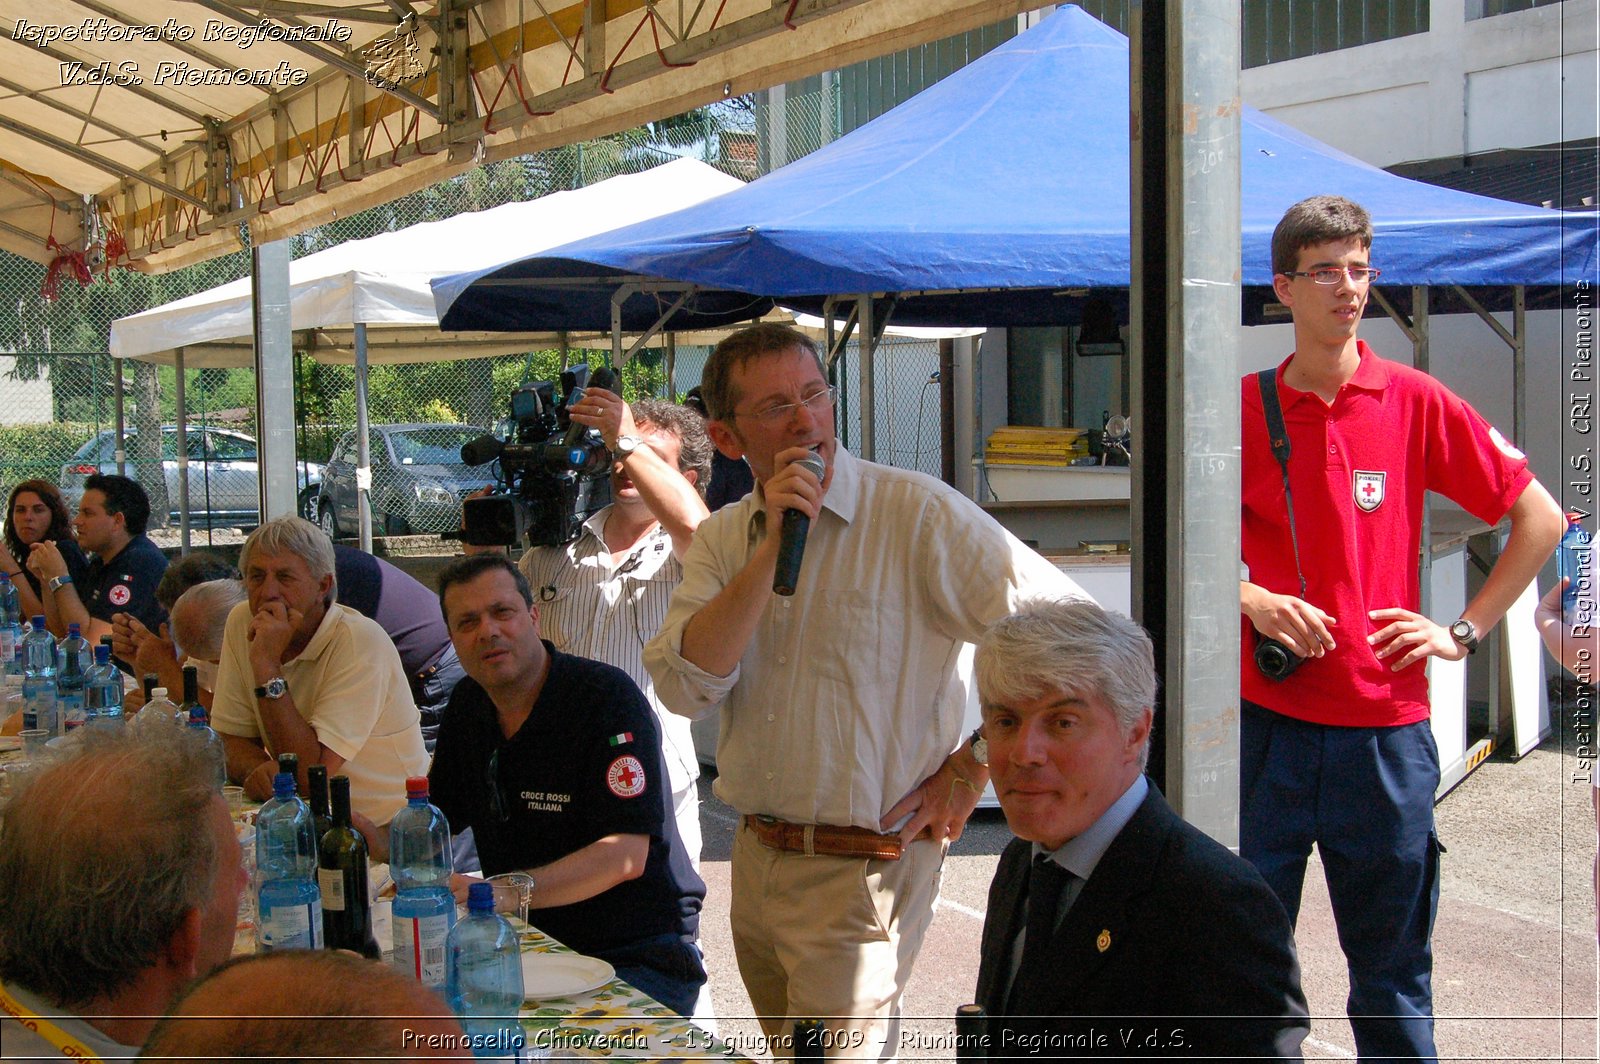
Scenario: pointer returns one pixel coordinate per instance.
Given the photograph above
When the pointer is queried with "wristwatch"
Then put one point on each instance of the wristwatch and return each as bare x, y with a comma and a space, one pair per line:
59, 582
1465, 633
626, 445
276, 687
980, 747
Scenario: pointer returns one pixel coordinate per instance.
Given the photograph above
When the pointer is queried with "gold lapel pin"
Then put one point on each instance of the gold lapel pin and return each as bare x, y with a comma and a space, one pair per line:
1103, 943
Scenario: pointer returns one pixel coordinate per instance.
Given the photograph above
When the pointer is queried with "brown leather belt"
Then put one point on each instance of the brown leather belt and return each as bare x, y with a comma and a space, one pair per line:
826, 840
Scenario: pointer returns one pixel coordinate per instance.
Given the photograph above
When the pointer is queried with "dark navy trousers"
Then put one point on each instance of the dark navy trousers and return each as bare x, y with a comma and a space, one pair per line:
1364, 796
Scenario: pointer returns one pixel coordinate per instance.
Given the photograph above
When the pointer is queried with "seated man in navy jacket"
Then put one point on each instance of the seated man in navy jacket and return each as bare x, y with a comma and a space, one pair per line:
555, 763
1115, 929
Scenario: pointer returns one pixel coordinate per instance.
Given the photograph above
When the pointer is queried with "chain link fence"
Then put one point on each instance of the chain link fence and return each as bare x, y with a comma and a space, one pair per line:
57, 382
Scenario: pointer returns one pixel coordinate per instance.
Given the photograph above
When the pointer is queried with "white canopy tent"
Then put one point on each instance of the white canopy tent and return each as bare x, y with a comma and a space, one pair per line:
371, 299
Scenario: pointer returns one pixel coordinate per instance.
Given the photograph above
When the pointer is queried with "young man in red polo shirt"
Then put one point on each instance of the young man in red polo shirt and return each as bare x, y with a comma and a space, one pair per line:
1339, 752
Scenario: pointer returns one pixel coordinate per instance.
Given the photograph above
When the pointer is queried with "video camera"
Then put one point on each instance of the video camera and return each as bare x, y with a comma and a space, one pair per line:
553, 472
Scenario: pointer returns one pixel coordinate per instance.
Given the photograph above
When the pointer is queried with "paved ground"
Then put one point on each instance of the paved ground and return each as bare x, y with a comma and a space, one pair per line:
1515, 939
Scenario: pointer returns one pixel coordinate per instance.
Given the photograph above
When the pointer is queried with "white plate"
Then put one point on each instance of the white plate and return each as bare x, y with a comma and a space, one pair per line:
553, 975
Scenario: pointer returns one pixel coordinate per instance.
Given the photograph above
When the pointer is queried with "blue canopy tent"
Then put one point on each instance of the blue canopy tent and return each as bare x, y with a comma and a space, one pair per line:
981, 199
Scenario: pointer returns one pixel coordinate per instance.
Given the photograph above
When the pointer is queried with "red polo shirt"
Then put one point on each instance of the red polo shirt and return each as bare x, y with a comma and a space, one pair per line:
1359, 469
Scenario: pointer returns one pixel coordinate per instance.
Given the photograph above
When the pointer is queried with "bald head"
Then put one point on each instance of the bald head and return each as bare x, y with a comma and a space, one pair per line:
307, 1005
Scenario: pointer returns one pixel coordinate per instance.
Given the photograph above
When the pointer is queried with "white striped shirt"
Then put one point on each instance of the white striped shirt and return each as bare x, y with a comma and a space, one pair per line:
595, 609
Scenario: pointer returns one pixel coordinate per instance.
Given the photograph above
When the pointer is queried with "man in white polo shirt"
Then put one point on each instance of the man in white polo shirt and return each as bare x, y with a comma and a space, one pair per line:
302, 674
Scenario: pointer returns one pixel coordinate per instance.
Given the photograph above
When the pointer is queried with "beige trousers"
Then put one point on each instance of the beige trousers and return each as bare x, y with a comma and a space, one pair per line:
831, 938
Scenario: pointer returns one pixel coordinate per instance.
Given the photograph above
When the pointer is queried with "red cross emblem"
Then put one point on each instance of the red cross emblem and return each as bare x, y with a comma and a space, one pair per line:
625, 777
1368, 490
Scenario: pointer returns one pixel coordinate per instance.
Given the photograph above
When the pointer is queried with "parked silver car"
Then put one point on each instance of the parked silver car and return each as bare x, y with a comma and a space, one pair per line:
224, 477
418, 480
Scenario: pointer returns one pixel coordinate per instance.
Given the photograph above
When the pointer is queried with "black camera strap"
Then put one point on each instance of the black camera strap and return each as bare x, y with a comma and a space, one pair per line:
1278, 435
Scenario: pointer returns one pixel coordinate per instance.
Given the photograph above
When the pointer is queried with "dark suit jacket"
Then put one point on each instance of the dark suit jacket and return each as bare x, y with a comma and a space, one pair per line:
1170, 943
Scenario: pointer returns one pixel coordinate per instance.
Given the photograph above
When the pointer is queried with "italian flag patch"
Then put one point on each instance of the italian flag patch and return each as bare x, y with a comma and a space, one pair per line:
618, 740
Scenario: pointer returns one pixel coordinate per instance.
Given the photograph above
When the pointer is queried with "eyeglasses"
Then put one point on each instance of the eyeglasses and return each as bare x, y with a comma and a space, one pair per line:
779, 413
1334, 274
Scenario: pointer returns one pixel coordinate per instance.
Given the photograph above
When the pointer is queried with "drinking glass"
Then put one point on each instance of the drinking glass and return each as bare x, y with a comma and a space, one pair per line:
522, 884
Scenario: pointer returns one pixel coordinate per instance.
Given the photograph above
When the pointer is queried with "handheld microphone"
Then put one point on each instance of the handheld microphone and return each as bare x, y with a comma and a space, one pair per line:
792, 538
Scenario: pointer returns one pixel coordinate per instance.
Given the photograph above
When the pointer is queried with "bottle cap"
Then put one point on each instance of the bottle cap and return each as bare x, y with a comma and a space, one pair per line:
416, 786
72, 629
38, 622
480, 898
159, 692
283, 785
102, 654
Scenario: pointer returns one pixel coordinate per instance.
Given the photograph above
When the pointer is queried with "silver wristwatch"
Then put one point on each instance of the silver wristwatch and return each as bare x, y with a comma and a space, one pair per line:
276, 687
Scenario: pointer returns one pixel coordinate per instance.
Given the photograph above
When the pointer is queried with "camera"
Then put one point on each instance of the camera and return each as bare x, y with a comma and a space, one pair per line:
553, 472
1275, 660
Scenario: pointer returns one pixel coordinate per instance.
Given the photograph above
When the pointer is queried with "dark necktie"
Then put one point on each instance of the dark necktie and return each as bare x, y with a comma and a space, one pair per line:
1046, 881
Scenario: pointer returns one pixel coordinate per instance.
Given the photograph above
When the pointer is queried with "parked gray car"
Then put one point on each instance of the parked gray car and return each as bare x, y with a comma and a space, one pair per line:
224, 477
418, 480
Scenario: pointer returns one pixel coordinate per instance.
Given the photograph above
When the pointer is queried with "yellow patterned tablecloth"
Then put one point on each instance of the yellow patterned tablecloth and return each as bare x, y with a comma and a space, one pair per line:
616, 1022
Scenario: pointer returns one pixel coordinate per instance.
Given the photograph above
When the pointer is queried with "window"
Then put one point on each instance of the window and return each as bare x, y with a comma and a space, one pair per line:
1490, 8
226, 447
1275, 30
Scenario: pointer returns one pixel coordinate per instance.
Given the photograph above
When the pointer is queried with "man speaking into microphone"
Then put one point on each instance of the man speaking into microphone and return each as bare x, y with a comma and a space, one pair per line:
842, 703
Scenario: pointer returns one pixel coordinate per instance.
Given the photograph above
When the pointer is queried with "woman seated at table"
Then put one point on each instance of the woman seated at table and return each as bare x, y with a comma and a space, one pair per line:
35, 513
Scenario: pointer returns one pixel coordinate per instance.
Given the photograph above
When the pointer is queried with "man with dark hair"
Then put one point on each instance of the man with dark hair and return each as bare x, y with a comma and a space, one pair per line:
120, 878
603, 595
307, 1005
1339, 752
1107, 909
555, 763
842, 705
126, 568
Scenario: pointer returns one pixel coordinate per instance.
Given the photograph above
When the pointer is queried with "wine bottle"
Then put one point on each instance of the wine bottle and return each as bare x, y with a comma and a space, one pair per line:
342, 875
317, 788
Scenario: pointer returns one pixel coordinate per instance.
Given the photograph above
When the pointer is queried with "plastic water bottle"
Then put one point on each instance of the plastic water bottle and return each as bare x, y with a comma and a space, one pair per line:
39, 679
158, 713
10, 624
424, 909
200, 725
288, 899
485, 981
1575, 562
102, 692
72, 666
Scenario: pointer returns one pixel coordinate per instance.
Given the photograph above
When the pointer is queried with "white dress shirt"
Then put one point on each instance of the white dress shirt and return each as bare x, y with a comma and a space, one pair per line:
853, 690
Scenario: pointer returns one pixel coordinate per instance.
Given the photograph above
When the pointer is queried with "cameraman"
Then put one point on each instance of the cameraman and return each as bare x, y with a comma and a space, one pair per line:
604, 595
1339, 750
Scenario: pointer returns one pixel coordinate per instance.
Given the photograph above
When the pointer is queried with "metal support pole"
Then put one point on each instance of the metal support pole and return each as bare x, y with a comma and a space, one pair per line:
269, 283
1519, 366
1185, 61
363, 443
1419, 360
118, 400
183, 454
869, 407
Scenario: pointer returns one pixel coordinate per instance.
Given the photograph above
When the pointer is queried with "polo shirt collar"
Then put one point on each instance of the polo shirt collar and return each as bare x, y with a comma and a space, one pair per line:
1371, 375
323, 635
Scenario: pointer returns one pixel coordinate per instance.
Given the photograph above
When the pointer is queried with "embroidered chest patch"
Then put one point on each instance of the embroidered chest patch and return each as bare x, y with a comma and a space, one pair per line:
1368, 489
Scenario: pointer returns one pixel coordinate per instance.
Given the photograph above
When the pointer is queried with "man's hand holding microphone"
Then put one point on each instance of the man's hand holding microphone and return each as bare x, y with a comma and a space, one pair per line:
795, 492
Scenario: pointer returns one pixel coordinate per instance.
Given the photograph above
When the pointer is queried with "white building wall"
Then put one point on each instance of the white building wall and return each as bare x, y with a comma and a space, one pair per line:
24, 402
1509, 81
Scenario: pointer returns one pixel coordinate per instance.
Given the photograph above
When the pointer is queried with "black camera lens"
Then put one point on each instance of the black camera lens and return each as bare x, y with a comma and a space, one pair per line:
1275, 660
